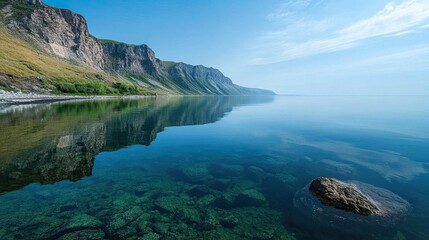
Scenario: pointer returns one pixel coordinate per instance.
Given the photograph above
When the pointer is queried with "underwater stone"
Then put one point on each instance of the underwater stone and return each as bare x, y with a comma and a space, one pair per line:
188, 215
226, 201
229, 222
84, 220
140, 191
120, 220
208, 223
125, 232
255, 172
199, 191
194, 174
340, 195
160, 227
68, 207
170, 204
77, 224
250, 197
219, 184
151, 236
206, 200
84, 234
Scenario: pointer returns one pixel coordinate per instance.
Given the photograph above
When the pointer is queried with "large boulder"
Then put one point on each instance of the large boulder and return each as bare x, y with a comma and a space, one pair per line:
340, 195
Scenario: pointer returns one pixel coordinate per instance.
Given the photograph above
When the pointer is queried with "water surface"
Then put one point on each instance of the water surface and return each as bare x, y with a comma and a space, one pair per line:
208, 167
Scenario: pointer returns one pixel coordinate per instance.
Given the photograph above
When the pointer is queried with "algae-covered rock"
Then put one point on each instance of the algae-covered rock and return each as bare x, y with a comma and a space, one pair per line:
170, 204
250, 197
125, 232
68, 207
199, 191
255, 172
206, 200
226, 201
188, 215
160, 227
151, 236
194, 174
140, 190
229, 221
84, 220
120, 220
75, 225
209, 222
84, 235
219, 184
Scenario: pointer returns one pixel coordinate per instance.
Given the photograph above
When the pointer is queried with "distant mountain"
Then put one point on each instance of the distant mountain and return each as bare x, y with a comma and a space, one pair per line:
43, 47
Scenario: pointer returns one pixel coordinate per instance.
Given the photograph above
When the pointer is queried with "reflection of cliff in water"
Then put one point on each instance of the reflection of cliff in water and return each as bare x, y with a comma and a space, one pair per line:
56, 142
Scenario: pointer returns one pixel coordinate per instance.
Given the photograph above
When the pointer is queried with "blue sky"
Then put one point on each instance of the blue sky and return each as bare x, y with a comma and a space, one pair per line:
289, 46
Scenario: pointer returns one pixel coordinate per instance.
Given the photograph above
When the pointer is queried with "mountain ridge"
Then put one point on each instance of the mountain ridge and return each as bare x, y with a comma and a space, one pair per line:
123, 68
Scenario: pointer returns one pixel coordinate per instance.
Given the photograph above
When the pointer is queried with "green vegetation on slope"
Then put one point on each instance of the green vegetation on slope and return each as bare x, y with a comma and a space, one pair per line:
20, 7
26, 67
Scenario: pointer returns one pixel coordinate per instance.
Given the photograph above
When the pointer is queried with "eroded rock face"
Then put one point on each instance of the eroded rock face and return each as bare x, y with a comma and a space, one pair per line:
63, 33
340, 195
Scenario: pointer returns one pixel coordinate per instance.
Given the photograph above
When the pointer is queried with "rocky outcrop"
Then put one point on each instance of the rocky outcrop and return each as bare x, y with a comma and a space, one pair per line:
121, 57
332, 192
65, 34
60, 32
204, 80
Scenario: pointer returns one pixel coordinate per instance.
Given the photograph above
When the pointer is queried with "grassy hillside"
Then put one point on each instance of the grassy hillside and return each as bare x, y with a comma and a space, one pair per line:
26, 67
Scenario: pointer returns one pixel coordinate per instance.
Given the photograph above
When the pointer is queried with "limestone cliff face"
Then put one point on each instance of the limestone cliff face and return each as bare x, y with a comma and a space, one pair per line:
62, 33
65, 34
121, 57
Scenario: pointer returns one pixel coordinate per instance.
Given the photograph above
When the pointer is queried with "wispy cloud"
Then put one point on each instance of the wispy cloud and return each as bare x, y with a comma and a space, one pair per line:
393, 20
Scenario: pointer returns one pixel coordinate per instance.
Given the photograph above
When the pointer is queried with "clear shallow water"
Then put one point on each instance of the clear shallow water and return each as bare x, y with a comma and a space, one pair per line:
208, 167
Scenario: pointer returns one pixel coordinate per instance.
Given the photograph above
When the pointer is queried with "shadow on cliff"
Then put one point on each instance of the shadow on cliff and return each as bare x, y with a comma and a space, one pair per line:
50, 143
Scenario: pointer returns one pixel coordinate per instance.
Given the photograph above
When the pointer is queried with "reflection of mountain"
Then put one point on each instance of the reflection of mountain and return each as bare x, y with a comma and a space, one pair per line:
50, 143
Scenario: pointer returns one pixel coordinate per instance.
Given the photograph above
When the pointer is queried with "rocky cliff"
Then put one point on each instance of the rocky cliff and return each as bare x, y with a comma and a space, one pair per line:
64, 34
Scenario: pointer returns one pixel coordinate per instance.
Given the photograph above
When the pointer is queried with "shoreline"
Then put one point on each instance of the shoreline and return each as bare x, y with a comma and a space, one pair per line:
20, 98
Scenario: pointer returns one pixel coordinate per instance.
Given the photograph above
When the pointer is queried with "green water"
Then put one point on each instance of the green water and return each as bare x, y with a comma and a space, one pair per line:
210, 167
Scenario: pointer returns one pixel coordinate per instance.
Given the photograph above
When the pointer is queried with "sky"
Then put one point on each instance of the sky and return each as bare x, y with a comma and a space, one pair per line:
318, 47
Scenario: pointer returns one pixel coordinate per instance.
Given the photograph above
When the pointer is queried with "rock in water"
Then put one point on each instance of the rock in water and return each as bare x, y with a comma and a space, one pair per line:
340, 195
390, 209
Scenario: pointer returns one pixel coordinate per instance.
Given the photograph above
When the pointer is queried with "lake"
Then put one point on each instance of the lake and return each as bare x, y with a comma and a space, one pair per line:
210, 167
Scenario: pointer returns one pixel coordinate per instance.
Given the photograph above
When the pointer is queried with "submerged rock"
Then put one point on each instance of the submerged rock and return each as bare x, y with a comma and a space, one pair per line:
340, 195
219, 184
170, 204
387, 209
188, 215
229, 222
120, 220
193, 174
209, 222
84, 234
250, 197
246, 198
151, 236
255, 172
199, 191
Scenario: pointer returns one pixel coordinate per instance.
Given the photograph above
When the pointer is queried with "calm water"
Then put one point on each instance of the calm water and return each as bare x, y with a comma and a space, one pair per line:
210, 167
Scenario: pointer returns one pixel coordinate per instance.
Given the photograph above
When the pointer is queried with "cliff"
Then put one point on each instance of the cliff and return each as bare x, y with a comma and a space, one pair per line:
64, 35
